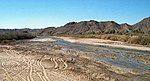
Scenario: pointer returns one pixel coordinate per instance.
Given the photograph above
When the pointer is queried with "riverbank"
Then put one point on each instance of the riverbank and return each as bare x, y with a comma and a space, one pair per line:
103, 42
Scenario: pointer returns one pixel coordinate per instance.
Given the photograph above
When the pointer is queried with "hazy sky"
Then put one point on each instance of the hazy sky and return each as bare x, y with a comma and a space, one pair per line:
44, 13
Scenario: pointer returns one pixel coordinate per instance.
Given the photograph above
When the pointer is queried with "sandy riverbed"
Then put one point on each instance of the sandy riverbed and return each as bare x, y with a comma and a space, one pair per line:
45, 62
43, 40
94, 41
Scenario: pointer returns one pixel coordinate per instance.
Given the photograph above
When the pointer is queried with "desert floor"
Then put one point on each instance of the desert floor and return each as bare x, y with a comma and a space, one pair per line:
42, 59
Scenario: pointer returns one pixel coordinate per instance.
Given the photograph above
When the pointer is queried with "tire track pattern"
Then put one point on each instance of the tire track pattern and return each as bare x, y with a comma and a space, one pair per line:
33, 68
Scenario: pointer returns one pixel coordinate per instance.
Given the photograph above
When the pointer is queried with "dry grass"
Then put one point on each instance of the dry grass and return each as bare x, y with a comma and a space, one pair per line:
142, 40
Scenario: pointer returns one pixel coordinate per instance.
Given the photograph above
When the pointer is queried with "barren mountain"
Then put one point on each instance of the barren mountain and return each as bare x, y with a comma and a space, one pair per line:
95, 27
91, 27
142, 26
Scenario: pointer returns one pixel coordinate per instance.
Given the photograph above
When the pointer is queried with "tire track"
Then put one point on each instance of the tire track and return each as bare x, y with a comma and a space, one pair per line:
10, 56
7, 74
56, 64
24, 60
30, 70
3, 66
19, 78
37, 64
44, 71
38, 75
60, 63
22, 79
31, 66
10, 70
66, 65
28, 79
43, 78
51, 59
61, 76
18, 74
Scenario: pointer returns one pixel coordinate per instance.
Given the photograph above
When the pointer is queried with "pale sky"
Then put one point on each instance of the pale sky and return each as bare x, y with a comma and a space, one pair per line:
46, 13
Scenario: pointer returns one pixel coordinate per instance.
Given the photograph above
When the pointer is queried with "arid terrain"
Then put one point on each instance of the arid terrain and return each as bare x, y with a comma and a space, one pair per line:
54, 59
103, 42
74, 40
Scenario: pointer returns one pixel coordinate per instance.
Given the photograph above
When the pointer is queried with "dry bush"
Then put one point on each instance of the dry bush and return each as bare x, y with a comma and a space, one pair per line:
114, 38
134, 40
145, 40
98, 36
123, 38
89, 36
9, 36
106, 36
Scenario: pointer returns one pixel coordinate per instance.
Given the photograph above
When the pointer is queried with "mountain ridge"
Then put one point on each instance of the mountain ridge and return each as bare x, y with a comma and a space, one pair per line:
95, 27
91, 27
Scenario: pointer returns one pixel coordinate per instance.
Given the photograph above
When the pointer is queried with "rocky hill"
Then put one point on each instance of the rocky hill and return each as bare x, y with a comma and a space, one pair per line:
90, 27
95, 27
142, 26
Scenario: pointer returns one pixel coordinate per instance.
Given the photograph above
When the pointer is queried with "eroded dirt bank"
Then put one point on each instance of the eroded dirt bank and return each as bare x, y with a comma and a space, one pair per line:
32, 61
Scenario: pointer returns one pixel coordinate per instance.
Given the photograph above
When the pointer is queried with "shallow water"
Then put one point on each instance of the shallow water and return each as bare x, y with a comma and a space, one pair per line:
120, 57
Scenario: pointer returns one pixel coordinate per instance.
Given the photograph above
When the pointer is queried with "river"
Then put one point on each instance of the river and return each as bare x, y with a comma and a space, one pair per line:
120, 57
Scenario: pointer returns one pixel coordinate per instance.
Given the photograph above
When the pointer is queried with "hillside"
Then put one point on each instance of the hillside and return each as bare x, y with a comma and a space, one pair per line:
95, 27
91, 27
142, 26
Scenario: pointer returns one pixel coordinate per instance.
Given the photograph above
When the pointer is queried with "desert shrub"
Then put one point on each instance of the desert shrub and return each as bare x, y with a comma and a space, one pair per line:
123, 38
106, 36
89, 36
145, 40
7, 42
9, 36
98, 36
103, 36
134, 40
114, 38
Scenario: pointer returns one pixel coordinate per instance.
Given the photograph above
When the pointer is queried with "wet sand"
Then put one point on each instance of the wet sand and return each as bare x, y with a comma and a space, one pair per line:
102, 42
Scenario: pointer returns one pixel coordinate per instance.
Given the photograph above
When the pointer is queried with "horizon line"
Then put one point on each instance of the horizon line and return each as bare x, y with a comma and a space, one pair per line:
43, 27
